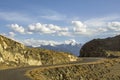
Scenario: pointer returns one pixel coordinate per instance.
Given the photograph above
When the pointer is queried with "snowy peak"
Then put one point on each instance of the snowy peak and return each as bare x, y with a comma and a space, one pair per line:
38, 43
70, 46
71, 42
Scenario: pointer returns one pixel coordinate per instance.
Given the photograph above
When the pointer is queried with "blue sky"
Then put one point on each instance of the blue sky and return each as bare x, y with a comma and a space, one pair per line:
59, 20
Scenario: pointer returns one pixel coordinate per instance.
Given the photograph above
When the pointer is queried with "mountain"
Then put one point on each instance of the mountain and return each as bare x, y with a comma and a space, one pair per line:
16, 54
109, 47
74, 49
70, 46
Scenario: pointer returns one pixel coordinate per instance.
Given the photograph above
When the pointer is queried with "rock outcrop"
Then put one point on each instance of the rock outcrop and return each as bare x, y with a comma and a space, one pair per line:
16, 54
109, 47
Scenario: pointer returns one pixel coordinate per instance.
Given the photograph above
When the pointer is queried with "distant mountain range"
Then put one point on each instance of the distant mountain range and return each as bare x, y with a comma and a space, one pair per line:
70, 46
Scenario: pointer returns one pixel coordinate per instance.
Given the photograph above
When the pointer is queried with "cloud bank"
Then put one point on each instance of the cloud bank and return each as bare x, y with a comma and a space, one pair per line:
37, 43
78, 28
17, 28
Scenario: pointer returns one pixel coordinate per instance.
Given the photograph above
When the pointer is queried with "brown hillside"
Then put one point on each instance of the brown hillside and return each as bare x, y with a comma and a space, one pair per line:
109, 47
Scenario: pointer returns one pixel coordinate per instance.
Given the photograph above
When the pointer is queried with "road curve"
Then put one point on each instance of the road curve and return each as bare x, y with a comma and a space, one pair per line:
18, 73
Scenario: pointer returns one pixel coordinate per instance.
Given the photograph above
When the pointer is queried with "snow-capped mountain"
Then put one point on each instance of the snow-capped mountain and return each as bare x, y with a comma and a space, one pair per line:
70, 46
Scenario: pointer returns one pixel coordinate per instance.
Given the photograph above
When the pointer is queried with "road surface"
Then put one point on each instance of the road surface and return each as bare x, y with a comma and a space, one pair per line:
18, 73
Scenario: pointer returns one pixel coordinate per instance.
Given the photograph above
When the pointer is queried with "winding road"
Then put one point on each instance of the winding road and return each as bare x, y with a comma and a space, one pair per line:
18, 73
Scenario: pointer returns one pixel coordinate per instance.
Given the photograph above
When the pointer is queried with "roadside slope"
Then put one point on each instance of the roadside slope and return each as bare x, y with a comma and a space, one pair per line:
106, 69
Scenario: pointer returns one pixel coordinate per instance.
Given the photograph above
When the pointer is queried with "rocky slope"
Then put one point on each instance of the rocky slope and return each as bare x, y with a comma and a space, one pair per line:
16, 54
109, 47
106, 69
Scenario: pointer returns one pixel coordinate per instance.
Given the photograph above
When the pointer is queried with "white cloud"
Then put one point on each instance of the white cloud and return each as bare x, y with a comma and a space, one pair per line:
39, 28
4, 34
101, 29
46, 29
9, 35
14, 16
38, 43
100, 25
12, 34
69, 34
79, 26
100, 22
71, 41
56, 28
78, 29
114, 26
53, 15
90, 27
95, 23
17, 28
96, 26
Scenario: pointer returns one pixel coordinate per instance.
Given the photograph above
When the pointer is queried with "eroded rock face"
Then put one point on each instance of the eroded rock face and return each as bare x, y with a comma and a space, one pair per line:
109, 47
14, 53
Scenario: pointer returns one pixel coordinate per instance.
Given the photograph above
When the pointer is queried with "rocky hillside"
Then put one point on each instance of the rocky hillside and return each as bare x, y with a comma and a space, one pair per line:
16, 54
109, 47
107, 69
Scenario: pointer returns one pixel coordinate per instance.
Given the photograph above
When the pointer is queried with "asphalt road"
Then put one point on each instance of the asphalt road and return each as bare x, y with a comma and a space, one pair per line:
18, 73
